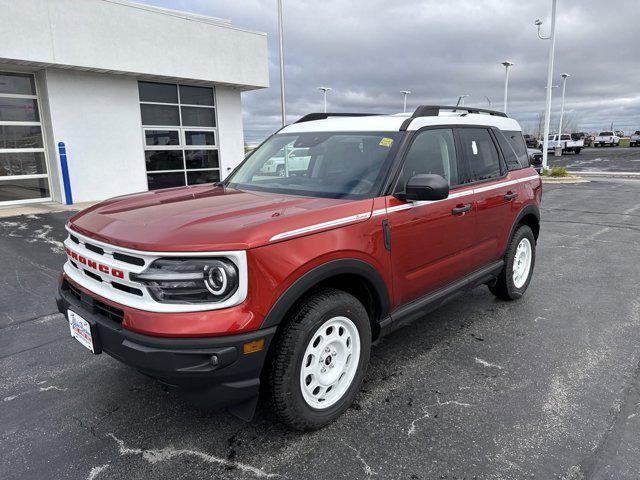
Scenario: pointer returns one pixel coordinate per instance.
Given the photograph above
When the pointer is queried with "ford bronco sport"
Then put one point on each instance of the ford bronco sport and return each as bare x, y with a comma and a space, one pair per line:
286, 279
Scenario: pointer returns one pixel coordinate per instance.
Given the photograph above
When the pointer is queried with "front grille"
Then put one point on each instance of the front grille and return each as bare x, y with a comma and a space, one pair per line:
93, 248
128, 259
93, 304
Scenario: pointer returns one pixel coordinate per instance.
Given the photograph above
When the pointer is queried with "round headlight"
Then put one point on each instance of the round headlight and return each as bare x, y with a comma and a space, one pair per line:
216, 280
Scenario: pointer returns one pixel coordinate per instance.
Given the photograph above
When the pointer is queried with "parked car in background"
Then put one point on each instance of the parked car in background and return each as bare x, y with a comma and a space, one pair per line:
606, 138
619, 133
634, 141
585, 137
566, 143
535, 158
297, 160
531, 141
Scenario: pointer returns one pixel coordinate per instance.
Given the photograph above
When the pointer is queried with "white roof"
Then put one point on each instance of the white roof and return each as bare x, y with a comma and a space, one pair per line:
386, 123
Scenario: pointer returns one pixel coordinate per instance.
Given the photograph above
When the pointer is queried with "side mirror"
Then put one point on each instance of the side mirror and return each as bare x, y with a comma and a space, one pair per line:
426, 187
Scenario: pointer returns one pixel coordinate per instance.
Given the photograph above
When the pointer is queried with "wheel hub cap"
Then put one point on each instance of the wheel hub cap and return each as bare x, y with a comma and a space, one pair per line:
330, 362
522, 262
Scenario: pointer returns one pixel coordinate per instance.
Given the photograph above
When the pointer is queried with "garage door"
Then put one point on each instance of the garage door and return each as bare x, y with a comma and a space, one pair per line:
23, 164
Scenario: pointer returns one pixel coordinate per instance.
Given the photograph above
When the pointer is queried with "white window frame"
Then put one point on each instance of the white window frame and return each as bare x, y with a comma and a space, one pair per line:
181, 129
42, 150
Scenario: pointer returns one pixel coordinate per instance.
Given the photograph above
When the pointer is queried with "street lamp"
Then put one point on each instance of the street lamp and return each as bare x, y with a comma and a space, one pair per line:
404, 103
552, 47
460, 102
324, 90
280, 35
506, 64
564, 87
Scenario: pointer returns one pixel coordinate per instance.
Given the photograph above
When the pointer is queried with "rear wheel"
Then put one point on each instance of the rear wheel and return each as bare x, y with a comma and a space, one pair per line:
519, 260
320, 359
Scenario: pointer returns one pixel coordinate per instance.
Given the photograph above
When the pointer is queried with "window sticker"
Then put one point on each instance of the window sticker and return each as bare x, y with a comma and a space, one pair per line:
474, 147
386, 142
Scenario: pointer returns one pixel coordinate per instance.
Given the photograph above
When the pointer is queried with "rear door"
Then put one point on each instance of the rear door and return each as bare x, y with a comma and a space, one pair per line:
430, 241
495, 192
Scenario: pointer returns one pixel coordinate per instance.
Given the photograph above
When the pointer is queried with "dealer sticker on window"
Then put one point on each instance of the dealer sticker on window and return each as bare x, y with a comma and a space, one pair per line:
80, 329
386, 142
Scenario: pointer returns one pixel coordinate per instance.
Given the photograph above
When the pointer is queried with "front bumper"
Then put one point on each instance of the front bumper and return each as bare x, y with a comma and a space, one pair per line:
212, 371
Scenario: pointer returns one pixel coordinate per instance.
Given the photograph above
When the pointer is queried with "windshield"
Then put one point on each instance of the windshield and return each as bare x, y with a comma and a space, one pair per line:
319, 164
605, 134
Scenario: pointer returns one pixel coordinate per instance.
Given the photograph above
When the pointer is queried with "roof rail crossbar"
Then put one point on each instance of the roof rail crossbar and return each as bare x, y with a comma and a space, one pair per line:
322, 116
434, 111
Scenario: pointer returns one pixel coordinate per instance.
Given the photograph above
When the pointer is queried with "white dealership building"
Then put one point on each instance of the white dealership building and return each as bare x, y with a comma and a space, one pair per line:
130, 97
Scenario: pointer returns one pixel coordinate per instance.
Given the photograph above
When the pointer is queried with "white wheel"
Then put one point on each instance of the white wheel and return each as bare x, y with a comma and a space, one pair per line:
522, 263
330, 363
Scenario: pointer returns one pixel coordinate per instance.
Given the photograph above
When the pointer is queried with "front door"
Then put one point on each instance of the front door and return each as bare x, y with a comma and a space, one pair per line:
431, 242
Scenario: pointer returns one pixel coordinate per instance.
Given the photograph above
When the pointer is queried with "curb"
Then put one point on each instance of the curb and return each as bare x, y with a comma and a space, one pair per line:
599, 174
570, 179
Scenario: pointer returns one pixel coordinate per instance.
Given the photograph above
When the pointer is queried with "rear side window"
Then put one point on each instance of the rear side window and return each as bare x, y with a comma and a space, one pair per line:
508, 152
519, 146
481, 153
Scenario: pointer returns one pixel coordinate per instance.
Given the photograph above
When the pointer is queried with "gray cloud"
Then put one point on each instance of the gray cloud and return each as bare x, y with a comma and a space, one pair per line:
369, 50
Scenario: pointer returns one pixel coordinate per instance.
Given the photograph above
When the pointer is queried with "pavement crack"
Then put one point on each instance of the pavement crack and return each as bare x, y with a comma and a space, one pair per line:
166, 454
413, 425
590, 466
365, 466
484, 363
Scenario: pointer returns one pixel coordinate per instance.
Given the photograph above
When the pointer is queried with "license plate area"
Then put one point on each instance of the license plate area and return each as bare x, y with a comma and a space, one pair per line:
82, 331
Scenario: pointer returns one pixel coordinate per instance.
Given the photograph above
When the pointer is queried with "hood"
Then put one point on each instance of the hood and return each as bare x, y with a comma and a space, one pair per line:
208, 218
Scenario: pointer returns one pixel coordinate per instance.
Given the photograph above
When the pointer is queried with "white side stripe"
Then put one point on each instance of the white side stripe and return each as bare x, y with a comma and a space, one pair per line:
320, 226
397, 208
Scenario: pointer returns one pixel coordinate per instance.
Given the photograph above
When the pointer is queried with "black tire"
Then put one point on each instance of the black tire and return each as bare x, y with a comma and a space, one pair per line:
288, 354
577, 151
504, 287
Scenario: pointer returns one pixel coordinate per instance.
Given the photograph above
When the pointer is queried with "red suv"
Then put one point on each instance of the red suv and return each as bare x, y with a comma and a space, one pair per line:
285, 276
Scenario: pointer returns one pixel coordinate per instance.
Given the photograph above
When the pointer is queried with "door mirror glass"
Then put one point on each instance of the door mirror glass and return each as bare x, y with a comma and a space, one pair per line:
426, 186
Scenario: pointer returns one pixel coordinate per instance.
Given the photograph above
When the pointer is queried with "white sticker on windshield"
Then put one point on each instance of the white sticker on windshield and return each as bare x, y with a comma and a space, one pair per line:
474, 147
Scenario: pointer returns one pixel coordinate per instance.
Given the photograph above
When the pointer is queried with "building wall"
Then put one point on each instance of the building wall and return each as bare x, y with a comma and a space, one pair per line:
97, 116
229, 128
118, 36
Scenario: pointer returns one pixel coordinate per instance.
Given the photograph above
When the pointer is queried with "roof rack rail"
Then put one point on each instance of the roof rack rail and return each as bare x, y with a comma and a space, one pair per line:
434, 111
322, 116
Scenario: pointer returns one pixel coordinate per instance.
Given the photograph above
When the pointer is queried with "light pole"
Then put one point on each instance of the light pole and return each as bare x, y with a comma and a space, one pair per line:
547, 110
324, 90
404, 103
280, 35
488, 101
564, 87
461, 100
506, 64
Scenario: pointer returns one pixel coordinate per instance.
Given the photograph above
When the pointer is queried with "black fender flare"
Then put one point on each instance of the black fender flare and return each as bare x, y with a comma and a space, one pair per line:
320, 273
527, 210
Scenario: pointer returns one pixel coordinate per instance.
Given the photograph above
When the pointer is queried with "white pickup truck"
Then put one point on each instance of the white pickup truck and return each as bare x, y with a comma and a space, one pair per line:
566, 143
634, 141
606, 138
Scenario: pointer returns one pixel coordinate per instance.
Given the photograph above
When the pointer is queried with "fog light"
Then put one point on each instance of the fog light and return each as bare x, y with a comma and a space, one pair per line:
255, 346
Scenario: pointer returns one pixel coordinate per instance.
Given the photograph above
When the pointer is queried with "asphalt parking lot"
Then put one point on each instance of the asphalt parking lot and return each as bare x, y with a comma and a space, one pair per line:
600, 159
546, 387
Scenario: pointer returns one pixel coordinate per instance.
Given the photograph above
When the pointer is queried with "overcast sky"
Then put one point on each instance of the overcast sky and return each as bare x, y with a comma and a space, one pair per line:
369, 50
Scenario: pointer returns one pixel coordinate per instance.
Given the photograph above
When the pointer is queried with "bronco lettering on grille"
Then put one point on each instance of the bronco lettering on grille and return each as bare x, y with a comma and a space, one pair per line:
100, 267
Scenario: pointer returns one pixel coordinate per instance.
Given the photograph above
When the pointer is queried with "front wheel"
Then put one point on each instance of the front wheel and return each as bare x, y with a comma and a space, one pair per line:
519, 260
320, 359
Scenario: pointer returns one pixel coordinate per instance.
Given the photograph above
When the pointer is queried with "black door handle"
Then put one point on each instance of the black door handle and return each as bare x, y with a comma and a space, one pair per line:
510, 195
461, 209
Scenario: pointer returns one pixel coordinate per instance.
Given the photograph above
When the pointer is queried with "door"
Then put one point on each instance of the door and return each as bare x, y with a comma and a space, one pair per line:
23, 166
430, 241
495, 192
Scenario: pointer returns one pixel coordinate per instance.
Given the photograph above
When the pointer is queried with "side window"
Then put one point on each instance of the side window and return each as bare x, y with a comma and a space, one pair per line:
519, 146
432, 151
508, 151
481, 153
